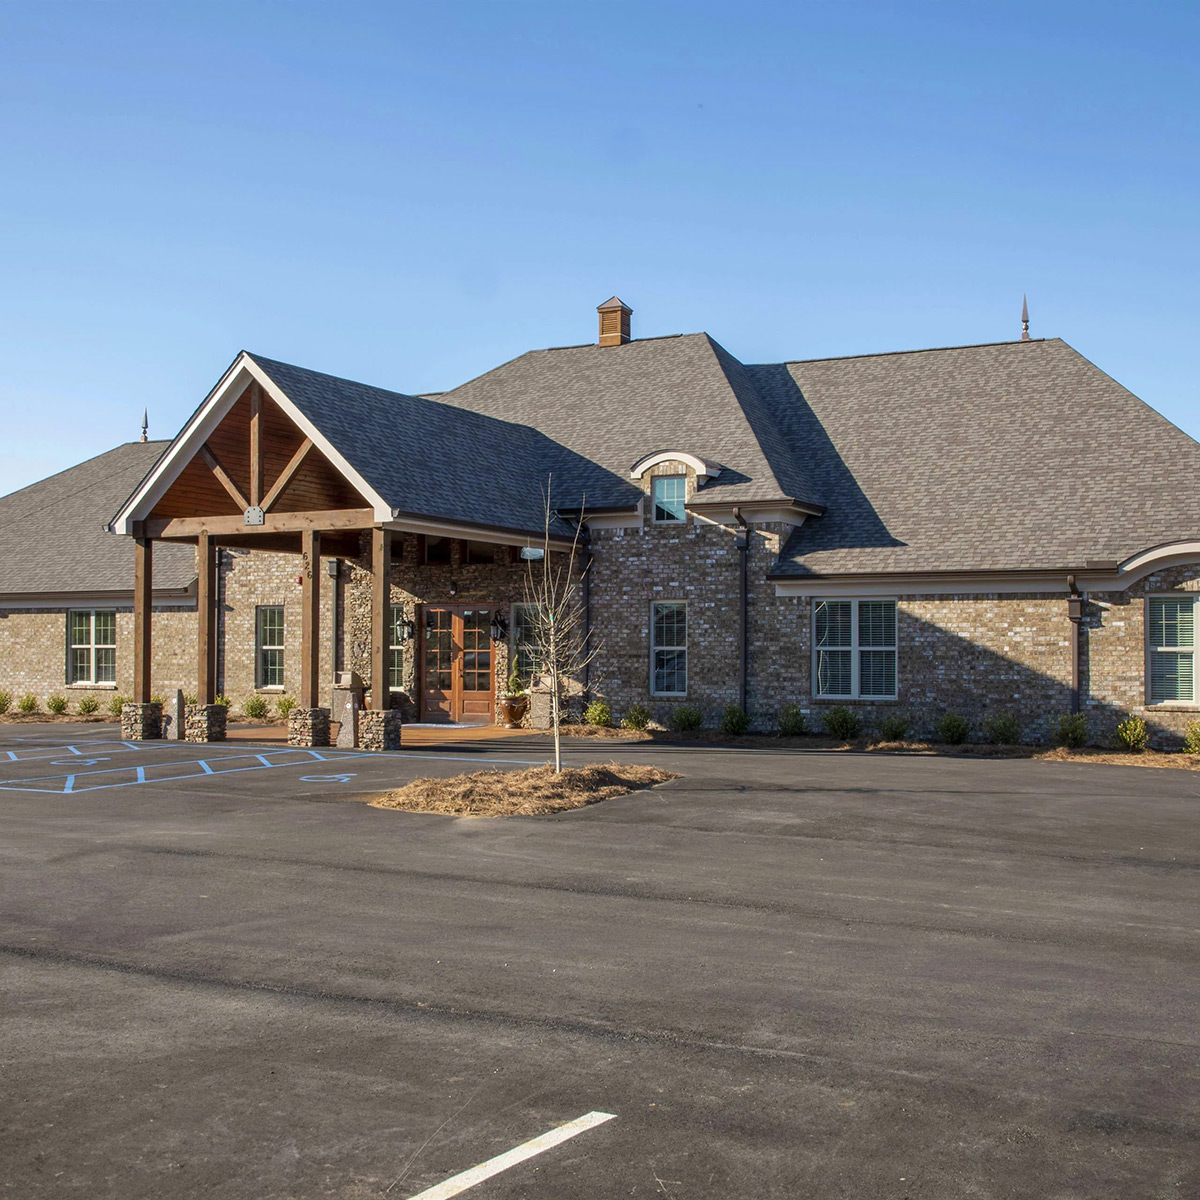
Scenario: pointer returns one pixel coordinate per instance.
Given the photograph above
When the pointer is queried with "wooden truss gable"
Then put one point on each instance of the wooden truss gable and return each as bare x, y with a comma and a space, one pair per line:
256, 457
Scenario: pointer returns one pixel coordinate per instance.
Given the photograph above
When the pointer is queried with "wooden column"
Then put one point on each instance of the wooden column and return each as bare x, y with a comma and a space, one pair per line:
206, 620
256, 445
310, 618
381, 591
143, 586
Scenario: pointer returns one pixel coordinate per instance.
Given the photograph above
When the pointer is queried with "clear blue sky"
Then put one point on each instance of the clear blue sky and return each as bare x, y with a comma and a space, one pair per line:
410, 194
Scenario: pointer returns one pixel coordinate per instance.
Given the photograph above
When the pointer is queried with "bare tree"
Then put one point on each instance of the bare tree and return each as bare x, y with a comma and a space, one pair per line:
558, 643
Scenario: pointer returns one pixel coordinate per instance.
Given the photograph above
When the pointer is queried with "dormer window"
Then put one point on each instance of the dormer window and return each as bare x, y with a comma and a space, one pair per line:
669, 493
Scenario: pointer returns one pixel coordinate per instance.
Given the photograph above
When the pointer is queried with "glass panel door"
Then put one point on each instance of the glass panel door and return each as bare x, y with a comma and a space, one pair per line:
475, 703
438, 664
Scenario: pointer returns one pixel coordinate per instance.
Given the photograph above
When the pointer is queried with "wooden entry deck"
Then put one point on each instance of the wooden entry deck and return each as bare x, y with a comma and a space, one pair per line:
411, 736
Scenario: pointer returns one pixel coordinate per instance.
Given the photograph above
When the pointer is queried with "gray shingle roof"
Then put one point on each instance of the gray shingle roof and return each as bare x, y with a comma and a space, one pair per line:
615, 404
1020, 455
52, 536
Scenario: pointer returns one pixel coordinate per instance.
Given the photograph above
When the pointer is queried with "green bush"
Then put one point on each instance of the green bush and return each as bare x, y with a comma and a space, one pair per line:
27, 703
1071, 731
284, 705
842, 723
256, 708
157, 699
637, 716
791, 721
895, 727
516, 685
190, 698
5, 701
89, 705
56, 704
1132, 734
1191, 738
223, 700
117, 703
734, 720
686, 718
598, 713
1003, 729
953, 729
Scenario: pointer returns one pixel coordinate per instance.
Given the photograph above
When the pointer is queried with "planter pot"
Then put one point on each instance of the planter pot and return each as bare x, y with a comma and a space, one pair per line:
513, 710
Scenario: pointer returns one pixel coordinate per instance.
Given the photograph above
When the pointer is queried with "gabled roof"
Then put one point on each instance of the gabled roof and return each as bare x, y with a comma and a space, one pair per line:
614, 404
52, 536
1012, 456
431, 459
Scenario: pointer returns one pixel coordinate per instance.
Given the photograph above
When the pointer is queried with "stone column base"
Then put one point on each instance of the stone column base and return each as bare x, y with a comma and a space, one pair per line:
379, 729
308, 727
204, 722
141, 722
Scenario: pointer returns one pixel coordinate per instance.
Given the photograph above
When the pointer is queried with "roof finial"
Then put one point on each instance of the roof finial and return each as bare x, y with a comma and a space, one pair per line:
1024, 318
145, 425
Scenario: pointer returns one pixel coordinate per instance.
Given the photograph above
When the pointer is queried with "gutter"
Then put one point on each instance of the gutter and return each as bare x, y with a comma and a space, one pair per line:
742, 542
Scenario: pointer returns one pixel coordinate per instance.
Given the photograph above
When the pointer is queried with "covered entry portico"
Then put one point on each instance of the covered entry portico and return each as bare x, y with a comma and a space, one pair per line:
255, 470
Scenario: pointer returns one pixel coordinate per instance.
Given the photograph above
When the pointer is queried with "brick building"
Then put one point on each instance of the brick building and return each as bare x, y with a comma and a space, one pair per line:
985, 529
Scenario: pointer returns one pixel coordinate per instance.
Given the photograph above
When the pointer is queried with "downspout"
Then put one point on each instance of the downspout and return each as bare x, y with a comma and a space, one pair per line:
742, 543
1075, 614
586, 560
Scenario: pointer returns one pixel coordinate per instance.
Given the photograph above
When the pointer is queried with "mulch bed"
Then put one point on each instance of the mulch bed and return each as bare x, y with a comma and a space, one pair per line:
523, 793
12, 718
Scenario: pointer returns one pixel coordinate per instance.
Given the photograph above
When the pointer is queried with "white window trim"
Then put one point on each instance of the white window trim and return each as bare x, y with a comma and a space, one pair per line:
395, 647
91, 645
684, 648
260, 646
654, 507
1169, 705
854, 648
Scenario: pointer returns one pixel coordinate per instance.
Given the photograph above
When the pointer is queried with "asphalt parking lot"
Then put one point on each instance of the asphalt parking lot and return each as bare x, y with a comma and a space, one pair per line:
792, 974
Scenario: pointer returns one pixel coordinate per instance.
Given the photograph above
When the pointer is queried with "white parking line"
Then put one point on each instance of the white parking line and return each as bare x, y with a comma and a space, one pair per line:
459, 1183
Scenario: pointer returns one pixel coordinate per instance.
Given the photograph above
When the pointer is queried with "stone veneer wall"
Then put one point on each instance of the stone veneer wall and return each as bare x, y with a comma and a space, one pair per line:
498, 584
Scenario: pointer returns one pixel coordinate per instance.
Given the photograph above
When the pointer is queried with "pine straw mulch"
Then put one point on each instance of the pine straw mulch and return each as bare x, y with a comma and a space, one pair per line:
45, 718
523, 793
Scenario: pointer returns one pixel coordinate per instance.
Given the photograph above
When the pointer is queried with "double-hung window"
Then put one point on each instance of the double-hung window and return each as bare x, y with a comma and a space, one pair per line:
854, 649
669, 492
668, 648
1170, 649
269, 639
92, 647
395, 650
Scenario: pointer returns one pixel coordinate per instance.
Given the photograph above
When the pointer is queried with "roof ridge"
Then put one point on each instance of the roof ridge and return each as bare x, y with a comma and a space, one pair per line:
787, 362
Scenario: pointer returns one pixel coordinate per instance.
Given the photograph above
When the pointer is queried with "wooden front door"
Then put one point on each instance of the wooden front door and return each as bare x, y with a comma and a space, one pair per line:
456, 664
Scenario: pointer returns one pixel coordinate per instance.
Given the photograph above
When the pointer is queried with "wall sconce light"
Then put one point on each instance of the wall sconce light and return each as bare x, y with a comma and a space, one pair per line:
454, 587
407, 631
499, 628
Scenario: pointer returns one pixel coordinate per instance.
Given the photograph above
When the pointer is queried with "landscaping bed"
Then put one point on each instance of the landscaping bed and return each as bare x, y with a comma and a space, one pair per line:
523, 793
45, 718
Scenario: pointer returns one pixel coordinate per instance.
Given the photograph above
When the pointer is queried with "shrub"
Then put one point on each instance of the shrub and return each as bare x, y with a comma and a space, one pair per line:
5, 701
157, 699
1004, 729
637, 716
56, 704
27, 703
686, 718
791, 721
734, 720
842, 723
284, 705
1132, 734
89, 705
223, 700
895, 727
117, 703
953, 729
598, 713
256, 707
516, 685
1191, 738
190, 698
1071, 731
